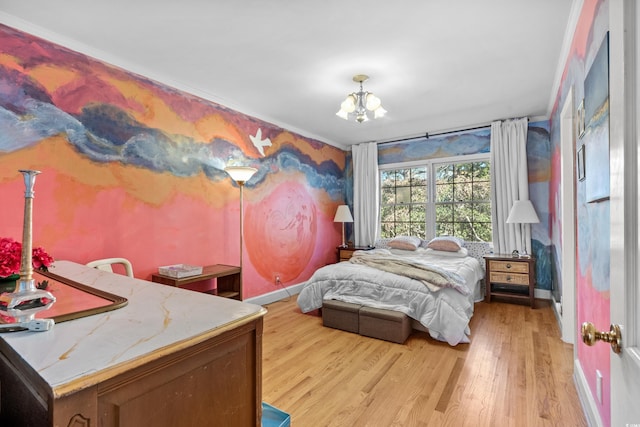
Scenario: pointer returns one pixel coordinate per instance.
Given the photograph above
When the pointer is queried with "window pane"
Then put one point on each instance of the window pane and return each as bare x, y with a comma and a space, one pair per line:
444, 193
402, 229
402, 213
444, 174
387, 179
418, 213
419, 176
444, 213
387, 213
403, 194
444, 229
388, 196
419, 194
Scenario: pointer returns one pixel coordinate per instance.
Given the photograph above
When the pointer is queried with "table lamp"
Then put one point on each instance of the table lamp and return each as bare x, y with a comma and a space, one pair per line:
343, 214
522, 212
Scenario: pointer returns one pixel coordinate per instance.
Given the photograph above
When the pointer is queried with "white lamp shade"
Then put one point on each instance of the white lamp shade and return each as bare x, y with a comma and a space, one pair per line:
373, 102
522, 212
240, 174
343, 214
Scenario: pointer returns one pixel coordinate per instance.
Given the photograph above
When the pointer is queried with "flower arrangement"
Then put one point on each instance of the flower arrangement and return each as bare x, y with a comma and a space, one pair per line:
11, 254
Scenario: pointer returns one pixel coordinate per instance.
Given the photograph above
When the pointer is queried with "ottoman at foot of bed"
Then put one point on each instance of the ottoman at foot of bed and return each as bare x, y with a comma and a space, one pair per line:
341, 315
386, 325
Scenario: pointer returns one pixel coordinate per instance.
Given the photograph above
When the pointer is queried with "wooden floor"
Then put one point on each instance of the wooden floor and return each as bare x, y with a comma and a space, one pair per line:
515, 372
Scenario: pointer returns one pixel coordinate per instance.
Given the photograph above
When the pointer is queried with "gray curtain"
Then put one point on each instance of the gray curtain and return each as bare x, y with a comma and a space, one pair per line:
509, 182
365, 193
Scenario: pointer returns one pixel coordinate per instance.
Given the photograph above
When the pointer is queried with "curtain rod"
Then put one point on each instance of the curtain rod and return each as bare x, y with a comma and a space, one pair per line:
427, 135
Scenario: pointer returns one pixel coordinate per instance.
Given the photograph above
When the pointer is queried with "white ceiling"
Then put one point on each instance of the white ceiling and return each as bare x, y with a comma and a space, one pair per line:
437, 65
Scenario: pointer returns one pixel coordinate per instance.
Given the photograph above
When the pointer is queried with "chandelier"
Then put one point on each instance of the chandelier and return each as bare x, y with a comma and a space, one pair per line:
358, 103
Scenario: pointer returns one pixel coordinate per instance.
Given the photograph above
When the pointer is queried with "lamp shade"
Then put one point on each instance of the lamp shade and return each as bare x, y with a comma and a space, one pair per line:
343, 214
522, 212
240, 174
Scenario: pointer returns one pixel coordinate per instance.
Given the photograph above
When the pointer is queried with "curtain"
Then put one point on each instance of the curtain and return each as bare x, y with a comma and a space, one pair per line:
509, 182
365, 193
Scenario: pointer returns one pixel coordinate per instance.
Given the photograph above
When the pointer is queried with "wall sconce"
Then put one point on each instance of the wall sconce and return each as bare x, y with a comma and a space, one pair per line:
343, 214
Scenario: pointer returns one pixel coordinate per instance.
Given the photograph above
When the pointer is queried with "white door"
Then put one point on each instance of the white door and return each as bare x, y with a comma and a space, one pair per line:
625, 196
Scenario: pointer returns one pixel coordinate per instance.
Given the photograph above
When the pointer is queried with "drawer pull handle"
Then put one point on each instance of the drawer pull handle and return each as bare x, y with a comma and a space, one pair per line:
508, 278
508, 265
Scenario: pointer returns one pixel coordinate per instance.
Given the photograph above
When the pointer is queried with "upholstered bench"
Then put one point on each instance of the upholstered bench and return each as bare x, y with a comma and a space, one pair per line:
383, 324
340, 315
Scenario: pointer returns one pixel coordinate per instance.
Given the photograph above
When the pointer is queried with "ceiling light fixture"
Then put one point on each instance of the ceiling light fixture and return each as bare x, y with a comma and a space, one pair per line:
357, 104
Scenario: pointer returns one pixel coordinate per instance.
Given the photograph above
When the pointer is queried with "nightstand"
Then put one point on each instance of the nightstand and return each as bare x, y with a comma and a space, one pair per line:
510, 277
345, 253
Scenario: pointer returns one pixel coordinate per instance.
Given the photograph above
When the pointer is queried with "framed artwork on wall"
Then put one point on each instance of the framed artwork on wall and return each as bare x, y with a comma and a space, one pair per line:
596, 136
581, 171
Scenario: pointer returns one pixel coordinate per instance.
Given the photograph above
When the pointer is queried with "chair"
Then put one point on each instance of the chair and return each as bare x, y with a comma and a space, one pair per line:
105, 265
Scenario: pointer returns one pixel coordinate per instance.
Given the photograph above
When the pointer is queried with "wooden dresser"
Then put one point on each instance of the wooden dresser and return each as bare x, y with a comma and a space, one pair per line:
510, 277
170, 357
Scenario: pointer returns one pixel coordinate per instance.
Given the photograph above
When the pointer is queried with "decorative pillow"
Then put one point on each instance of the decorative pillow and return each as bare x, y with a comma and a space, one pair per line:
446, 243
462, 253
407, 243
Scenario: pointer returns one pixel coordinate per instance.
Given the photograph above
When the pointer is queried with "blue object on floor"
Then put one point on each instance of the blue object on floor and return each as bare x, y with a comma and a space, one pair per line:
274, 417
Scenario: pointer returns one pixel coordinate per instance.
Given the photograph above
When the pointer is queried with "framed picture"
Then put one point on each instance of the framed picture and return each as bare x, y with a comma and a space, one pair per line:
580, 119
581, 171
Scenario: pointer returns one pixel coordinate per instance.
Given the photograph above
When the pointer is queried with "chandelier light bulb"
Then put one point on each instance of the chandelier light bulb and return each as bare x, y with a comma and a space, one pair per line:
357, 104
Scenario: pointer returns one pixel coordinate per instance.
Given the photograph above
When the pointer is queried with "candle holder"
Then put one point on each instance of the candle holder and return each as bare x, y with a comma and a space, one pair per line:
26, 300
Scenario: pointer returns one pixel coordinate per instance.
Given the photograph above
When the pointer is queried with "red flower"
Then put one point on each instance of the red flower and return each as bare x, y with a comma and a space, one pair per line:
11, 254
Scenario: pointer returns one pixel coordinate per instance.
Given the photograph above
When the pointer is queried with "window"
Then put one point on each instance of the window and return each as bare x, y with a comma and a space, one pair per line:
446, 198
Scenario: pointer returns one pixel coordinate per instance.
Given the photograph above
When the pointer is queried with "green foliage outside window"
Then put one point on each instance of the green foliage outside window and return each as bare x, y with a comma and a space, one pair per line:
461, 201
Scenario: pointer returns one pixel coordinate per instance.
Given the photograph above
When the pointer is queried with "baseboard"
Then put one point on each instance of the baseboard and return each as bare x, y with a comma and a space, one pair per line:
542, 294
276, 295
589, 406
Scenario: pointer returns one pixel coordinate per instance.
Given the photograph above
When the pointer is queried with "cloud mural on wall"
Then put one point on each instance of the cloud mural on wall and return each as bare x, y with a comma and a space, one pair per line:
123, 150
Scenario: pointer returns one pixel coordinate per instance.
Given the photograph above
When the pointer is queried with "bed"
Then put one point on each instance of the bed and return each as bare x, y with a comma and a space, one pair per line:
439, 296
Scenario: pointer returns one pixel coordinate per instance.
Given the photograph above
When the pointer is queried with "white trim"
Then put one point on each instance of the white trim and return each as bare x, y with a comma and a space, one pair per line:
568, 148
589, 406
542, 294
146, 73
274, 296
569, 32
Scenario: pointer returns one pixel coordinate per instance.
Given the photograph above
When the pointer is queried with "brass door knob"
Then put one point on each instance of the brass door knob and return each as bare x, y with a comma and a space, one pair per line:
614, 337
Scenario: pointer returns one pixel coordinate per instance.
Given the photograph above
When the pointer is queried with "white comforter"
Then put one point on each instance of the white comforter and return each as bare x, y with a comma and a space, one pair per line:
445, 313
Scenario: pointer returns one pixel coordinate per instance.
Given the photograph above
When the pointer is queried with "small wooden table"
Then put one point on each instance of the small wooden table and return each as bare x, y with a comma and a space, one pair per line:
511, 277
227, 277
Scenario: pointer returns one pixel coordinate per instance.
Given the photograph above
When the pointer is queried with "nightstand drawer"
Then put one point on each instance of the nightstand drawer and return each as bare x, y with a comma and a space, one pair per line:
512, 279
510, 267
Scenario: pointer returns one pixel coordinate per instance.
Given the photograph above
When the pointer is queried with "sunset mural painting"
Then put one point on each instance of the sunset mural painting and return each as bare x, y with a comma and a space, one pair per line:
134, 168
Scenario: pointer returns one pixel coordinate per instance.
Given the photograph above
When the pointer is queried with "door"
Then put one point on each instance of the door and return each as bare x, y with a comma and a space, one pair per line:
625, 196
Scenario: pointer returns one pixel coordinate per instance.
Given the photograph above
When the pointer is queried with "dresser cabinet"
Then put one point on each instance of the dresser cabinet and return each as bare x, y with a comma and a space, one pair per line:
510, 277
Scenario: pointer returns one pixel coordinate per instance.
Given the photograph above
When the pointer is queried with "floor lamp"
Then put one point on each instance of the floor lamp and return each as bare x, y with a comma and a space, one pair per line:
343, 214
241, 174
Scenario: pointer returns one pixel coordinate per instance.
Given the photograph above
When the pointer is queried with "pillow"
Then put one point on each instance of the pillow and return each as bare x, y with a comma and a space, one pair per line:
407, 243
462, 253
446, 243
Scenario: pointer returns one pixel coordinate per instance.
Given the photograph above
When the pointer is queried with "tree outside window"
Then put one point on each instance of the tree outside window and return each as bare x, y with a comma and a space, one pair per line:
455, 201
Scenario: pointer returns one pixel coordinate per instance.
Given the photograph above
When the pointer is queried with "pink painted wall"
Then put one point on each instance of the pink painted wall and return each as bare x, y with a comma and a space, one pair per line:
133, 168
592, 219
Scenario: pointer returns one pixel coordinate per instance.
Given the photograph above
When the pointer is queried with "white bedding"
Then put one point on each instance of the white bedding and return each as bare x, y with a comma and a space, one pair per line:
445, 313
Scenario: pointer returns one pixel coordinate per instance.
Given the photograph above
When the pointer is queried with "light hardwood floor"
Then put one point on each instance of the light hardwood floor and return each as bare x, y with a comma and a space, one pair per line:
515, 372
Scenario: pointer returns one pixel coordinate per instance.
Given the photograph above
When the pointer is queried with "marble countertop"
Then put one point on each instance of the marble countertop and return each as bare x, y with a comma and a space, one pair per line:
157, 320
